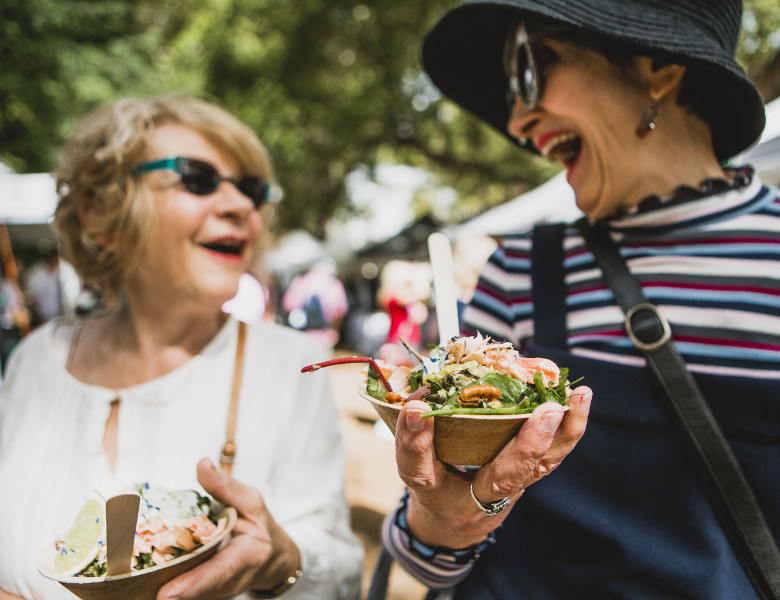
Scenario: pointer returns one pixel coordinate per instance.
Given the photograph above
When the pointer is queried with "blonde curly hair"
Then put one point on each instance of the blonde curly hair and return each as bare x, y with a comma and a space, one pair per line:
102, 212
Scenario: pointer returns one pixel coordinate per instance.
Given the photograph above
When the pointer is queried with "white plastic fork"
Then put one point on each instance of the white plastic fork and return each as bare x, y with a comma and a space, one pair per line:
440, 253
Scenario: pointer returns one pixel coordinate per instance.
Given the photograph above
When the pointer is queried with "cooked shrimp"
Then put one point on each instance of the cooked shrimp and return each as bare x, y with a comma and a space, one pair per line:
397, 376
157, 538
203, 529
524, 368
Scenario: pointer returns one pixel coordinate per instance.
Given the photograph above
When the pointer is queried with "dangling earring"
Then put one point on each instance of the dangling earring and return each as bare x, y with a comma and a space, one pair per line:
647, 121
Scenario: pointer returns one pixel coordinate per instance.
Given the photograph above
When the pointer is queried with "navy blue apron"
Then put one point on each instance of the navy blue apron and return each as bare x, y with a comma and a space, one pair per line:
624, 516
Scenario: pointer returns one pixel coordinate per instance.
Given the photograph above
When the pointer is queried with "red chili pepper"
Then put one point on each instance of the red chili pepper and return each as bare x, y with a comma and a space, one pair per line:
351, 359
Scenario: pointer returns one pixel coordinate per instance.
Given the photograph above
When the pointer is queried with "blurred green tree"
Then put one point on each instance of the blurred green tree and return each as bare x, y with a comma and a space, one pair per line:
329, 85
759, 48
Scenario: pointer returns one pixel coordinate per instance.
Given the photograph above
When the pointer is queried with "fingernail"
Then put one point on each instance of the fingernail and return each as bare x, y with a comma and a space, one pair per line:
414, 421
550, 421
220, 474
585, 403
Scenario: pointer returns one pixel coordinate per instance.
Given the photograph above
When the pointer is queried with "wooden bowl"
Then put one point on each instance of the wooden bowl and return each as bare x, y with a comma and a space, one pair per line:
137, 585
466, 440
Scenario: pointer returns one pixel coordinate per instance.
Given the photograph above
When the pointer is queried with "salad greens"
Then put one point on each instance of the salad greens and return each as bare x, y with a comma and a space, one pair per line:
517, 397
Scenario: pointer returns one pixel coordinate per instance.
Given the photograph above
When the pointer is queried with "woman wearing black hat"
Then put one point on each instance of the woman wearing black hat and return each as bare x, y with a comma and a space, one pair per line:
642, 103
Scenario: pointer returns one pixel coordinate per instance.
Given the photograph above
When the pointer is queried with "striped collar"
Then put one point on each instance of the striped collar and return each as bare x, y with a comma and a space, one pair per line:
714, 200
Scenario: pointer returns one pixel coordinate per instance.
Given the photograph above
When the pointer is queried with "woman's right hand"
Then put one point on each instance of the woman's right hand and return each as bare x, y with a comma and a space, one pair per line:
260, 553
441, 510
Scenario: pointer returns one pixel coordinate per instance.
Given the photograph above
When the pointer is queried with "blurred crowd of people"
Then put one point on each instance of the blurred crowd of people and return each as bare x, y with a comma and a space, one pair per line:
36, 289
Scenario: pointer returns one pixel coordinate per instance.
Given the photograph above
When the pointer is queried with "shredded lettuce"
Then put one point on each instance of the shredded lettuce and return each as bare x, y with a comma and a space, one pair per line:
374, 387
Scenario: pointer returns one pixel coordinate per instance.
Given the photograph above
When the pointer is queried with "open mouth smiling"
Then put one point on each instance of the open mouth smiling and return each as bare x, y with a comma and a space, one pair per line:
228, 247
563, 147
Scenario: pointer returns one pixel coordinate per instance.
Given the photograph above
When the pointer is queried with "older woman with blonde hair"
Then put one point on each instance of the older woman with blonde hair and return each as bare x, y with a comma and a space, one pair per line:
161, 207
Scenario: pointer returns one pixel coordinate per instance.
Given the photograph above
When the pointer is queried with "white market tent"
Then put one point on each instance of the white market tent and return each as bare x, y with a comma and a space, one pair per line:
27, 205
552, 200
27, 199
765, 156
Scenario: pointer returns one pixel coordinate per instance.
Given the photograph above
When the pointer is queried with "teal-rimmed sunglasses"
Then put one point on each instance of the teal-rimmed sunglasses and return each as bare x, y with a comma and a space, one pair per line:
201, 178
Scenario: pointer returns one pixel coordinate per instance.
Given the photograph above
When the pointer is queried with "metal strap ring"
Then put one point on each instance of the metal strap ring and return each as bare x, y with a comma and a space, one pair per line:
666, 334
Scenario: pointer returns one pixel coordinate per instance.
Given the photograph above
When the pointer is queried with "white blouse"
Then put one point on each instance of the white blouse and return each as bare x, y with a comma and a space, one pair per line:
287, 439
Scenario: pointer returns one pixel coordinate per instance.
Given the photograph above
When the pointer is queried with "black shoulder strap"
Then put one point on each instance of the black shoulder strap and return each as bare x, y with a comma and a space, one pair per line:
549, 290
730, 494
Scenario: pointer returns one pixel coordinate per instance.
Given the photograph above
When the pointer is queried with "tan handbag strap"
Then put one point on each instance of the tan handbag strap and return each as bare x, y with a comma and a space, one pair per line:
74, 340
229, 447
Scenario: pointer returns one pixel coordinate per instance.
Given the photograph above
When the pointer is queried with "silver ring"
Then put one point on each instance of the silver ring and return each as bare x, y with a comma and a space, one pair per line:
491, 509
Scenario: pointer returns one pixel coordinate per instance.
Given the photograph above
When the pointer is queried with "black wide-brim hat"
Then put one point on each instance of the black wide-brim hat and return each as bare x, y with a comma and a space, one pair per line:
463, 53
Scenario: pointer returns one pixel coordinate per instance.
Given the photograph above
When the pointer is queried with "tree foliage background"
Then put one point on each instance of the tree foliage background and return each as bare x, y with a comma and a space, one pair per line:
330, 86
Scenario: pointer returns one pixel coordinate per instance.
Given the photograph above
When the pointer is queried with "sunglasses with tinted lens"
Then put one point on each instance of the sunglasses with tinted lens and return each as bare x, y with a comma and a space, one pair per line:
524, 82
201, 178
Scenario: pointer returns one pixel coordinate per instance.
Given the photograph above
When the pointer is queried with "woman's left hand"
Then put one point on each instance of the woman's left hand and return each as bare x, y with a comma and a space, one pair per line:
259, 556
441, 510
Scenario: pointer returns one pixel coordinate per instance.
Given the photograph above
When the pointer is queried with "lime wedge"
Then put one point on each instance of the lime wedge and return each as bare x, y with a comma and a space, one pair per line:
80, 545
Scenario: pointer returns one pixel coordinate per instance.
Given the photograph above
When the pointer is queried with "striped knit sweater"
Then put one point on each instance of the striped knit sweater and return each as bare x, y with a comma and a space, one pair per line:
709, 259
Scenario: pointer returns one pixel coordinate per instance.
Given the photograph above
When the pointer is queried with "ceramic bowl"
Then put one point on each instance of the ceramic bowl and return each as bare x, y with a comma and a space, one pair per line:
137, 585
467, 440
